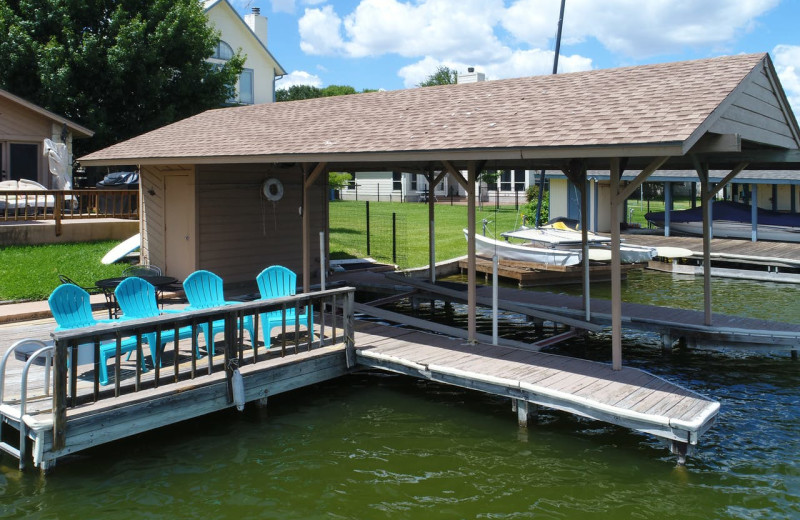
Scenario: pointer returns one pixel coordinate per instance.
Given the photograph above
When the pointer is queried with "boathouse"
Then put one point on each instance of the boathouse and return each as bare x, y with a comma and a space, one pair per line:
728, 113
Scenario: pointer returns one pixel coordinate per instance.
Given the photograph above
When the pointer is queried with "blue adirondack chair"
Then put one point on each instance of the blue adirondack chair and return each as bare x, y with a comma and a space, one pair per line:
137, 300
274, 282
204, 290
72, 309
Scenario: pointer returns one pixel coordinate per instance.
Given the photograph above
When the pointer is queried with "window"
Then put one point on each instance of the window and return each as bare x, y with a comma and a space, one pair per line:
223, 51
397, 181
519, 180
414, 182
23, 161
246, 90
505, 180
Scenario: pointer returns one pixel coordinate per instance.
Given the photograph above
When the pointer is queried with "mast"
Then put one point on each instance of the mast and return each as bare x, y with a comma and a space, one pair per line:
555, 71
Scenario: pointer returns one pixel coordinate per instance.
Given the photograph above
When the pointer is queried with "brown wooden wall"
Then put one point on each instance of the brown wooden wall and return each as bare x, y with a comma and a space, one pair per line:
241, 232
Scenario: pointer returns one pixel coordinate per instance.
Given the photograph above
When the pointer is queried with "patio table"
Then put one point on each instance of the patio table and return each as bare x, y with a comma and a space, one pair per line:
107, 285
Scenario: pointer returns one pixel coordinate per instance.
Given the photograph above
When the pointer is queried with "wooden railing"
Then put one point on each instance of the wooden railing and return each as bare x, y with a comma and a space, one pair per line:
59, 205
333, 323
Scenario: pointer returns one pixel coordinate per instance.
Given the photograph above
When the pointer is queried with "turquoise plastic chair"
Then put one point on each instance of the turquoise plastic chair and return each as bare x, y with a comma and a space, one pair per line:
275, 282
137, 299
72, 309
204, 290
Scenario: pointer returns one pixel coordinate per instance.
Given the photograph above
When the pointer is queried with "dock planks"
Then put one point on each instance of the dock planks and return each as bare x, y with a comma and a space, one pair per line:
629, 397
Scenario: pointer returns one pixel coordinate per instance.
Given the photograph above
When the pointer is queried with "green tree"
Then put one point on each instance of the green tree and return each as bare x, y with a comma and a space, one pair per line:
296, 92
338, 90
529, 210
442, 76
120, 68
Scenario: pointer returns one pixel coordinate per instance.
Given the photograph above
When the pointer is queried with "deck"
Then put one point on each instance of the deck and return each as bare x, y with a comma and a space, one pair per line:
76, 414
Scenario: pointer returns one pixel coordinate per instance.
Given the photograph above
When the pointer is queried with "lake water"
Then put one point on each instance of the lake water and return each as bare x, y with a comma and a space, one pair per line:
381, 446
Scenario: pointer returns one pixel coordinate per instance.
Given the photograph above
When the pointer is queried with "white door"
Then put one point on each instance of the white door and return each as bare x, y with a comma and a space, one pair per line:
179, 221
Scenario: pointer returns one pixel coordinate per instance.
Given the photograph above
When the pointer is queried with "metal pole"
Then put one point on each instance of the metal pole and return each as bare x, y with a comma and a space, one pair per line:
394, 237
585, 244
494, 299
322, 268
667, 206
558, 36
754, 213
368, 248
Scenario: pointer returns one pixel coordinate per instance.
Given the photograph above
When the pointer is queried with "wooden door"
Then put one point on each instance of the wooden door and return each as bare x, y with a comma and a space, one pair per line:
179, 222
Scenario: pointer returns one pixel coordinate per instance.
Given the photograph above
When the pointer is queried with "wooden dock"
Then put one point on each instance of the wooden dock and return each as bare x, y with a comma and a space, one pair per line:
629, 397
670, 323
72, 413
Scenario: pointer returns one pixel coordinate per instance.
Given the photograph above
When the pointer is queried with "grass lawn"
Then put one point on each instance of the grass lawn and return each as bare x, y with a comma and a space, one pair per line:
31, 272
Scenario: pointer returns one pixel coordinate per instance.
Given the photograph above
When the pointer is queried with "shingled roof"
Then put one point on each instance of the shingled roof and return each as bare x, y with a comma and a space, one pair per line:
630, 110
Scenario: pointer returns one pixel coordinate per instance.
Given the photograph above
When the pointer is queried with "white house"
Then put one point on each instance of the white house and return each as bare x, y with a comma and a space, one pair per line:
261, 69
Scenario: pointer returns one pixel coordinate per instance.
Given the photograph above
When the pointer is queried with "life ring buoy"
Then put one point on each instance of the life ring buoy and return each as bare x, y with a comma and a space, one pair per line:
272, 189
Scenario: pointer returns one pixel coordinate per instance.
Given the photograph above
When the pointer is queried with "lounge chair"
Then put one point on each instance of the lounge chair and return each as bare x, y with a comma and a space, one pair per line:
276, 282
204, 290
72, 309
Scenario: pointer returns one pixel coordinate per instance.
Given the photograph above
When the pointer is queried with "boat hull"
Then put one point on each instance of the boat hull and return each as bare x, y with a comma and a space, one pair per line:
488, 247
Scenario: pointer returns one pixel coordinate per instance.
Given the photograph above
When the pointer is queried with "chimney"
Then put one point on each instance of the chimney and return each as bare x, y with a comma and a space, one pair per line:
471, 76
258, 24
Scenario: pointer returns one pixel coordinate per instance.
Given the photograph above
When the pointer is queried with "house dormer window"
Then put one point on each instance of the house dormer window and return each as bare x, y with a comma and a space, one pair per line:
223, 51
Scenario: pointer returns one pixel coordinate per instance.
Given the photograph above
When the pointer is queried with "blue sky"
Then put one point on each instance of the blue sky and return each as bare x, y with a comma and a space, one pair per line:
393, 44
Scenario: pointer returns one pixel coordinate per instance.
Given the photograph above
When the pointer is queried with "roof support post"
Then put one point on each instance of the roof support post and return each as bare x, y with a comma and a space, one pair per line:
667, 206
472, 173
705, 196
456, 175
616, 269
754, 212
308, 181
431, 228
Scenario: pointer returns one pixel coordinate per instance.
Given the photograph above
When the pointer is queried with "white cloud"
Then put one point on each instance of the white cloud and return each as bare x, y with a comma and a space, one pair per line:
637, 28
320, 31
787, 65
298, 77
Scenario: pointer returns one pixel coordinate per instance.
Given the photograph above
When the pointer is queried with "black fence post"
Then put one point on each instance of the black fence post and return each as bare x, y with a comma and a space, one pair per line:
368, 252
516, 199
394, 238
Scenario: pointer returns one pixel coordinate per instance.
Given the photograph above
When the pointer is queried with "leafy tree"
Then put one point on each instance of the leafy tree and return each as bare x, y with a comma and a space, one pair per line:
339, 180
338, 90
296, 92
120, 68
442, 76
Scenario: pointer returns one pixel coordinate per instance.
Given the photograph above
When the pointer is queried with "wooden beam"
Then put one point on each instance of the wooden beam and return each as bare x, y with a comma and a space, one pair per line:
307, 183
439, 178
457, 174
472, 173
728, 178
432, 228
635, 183
702, 172
616, 269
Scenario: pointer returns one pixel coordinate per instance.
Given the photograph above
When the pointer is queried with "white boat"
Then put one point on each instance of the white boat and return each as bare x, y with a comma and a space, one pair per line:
569, 239
524, 253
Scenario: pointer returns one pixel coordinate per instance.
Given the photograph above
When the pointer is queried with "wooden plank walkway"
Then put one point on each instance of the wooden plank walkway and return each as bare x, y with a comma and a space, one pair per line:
726, 331
630, 397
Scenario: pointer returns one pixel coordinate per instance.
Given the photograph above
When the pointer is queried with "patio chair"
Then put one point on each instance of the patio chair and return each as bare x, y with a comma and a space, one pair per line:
64, 279
204, 290
275, 282
137, 300
72, 310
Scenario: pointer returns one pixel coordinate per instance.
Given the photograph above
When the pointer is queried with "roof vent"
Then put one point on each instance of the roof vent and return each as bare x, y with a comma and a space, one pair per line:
470, 69
256, 10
